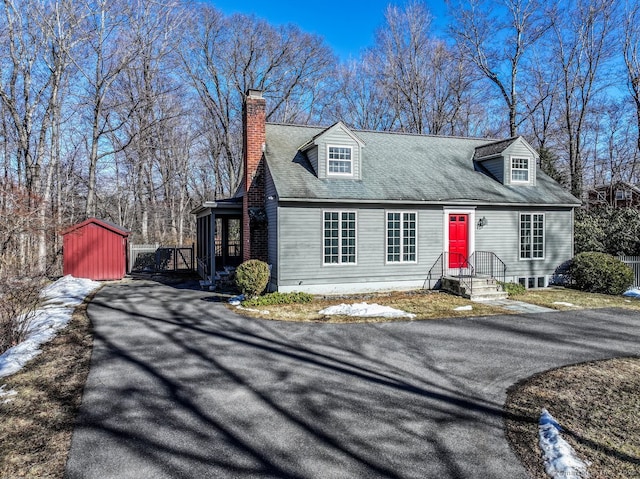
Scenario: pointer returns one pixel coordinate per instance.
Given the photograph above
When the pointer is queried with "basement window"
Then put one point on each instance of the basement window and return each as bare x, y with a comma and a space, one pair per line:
533, 282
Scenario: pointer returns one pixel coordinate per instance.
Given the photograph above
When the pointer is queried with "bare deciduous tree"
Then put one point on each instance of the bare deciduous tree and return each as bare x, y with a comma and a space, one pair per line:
497, 43
106, 53
631, 52
582, 34
227, 56
362, 102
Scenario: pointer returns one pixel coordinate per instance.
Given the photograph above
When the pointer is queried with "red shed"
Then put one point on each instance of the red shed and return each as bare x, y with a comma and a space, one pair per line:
95, 249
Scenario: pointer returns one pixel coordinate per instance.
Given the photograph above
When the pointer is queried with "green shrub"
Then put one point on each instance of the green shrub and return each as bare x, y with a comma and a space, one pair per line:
600, 273
609, 230
513, 289
252, 277
278, 298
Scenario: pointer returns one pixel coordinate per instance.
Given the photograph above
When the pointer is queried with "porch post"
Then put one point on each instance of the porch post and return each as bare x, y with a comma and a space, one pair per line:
212, 248
224, 234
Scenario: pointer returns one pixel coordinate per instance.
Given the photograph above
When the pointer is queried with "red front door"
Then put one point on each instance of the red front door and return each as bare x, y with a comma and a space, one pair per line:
458, 240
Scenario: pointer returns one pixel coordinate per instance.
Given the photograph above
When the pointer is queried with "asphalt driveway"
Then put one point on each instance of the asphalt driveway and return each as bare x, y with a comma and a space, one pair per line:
180, 387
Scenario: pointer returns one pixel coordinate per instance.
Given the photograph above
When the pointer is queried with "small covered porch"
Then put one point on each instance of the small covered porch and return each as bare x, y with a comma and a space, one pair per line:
219, 238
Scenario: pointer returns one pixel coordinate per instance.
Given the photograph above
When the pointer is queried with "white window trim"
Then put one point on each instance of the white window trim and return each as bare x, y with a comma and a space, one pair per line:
544, 236
340, 262
386, 237
332, 173
511, 170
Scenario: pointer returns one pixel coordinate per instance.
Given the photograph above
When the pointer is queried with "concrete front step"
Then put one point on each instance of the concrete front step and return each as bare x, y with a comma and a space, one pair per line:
482, 289
489, 296
485, 292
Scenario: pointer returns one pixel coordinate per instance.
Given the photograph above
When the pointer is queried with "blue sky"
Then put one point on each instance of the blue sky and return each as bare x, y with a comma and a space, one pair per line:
347, 33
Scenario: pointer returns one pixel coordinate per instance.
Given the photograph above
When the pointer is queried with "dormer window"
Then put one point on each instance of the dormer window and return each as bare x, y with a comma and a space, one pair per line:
520, 170
340, 160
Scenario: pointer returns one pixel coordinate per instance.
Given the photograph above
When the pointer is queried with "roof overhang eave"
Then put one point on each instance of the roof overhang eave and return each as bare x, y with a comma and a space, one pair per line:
443, 201
210, 205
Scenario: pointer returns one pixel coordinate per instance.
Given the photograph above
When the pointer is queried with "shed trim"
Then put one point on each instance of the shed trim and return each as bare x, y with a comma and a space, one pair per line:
104, 223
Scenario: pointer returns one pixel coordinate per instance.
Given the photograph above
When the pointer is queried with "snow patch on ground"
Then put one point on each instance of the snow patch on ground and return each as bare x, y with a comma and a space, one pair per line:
366, 310
464, 308
261, 311
59, 301
6, 396
562, 303
560, 460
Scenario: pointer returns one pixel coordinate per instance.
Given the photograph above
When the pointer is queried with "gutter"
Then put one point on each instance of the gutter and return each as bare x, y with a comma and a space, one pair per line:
423, 202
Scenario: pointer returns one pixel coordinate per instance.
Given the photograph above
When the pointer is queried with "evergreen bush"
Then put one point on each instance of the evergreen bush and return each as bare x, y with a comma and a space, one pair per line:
279, 298
513, 289
600, 273
252, 277
609, 230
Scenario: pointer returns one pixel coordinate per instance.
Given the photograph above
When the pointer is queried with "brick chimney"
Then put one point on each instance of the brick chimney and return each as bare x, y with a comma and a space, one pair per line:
254, 222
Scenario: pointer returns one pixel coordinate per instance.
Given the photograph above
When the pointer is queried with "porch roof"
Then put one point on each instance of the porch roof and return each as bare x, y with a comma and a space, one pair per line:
223, 206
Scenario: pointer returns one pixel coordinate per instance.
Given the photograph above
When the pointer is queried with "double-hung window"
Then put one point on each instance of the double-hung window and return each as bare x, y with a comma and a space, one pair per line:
339, 160
339, 232
401, 237
520, 170
531, 236
623, 194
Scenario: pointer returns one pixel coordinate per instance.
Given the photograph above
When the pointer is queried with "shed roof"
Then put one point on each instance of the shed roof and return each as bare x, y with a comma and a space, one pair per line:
103, 223
399, 167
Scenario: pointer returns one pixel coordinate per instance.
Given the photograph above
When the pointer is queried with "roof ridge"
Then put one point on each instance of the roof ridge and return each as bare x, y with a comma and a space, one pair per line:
388, 132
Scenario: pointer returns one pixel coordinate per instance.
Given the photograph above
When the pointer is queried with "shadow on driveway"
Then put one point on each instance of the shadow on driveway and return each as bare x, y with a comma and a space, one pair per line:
181, 387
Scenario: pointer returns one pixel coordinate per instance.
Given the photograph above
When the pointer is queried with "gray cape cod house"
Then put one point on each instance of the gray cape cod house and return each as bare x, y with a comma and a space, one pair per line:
336, 210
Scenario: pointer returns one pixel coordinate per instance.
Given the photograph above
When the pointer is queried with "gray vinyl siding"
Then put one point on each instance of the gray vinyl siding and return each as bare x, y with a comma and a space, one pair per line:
312, 156
271, 208
337, 137
496, 167
301, 244
301, 252
519, 150
502, 236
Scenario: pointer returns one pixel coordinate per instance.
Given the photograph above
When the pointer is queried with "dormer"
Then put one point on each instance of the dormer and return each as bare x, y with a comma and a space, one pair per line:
511, 162
335, 153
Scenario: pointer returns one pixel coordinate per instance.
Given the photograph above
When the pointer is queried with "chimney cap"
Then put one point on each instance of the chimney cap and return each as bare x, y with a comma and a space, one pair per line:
254, 93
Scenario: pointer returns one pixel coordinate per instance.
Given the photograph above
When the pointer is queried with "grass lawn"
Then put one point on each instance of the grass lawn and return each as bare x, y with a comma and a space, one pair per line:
436, 305
424, 304
36, 425
564, 299
598, 406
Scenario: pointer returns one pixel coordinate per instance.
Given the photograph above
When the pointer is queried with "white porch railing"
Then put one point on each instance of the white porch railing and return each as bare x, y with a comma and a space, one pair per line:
634, 263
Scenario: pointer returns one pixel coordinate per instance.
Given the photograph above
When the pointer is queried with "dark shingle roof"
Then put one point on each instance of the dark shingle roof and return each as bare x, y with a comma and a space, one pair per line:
493, 149
400, 168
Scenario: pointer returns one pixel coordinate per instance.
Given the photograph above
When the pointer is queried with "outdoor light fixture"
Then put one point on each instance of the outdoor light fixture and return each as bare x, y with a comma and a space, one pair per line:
482, 222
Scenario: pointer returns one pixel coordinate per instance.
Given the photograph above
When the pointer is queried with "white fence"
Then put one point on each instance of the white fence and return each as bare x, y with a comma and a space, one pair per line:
142, 256
155, 257
634, 263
